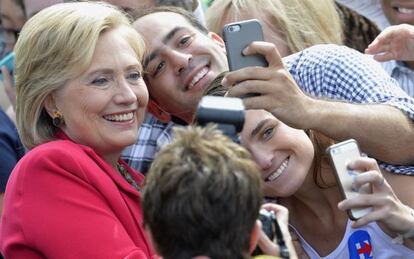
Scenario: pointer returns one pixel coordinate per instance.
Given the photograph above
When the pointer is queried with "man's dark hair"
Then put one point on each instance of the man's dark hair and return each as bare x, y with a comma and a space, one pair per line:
202, 196
185, 4
172, 9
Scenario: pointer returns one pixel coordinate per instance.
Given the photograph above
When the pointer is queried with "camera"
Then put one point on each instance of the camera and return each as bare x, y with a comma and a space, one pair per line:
267, 218
271, 228
226, 112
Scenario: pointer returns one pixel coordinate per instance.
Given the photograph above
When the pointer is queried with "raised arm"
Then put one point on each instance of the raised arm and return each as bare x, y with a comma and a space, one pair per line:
382, 130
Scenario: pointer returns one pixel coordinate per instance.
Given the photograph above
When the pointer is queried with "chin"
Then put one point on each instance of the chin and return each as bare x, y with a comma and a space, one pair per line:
282, 187
274, 191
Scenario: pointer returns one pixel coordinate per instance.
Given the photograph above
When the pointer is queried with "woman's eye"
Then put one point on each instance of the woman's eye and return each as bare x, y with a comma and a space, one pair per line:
100, 81
134, 76
268, 133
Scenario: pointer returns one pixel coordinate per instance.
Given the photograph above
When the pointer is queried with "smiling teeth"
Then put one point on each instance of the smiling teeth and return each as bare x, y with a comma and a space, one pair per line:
279, 171
198, 76
120, 117
405, 10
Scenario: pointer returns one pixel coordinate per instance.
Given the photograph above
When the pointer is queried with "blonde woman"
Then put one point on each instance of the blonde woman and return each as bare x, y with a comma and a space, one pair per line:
291, 25
80, 101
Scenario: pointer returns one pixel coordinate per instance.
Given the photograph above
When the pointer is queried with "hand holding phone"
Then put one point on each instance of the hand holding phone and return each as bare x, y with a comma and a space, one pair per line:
237, 36
341, 154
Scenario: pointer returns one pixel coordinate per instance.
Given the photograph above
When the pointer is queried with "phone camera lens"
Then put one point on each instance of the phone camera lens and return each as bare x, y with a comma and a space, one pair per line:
231, 29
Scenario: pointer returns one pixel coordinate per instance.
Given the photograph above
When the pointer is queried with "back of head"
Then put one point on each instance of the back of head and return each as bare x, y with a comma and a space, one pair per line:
202, 196
56, 45
301, 23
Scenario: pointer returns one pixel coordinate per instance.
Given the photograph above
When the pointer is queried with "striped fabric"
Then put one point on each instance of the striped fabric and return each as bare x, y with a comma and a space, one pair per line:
403, 74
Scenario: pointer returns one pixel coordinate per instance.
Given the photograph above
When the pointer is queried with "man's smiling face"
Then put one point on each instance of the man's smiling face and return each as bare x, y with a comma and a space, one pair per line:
180, 61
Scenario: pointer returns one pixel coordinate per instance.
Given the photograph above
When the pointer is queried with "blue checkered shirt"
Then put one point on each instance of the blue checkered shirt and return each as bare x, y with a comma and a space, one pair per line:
326, 71
153, 135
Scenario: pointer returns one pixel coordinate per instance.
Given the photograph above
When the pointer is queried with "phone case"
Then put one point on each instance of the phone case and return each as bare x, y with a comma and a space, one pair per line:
7, 61
340, 154
237, 36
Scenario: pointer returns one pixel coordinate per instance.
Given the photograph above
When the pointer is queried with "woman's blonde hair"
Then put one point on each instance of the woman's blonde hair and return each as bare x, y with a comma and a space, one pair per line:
54, 46
301, 23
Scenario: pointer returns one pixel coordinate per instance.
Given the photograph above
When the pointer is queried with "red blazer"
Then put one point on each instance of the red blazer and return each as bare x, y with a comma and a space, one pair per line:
64, 201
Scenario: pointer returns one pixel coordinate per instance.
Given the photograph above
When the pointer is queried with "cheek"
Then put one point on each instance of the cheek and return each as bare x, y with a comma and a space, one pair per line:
142, 95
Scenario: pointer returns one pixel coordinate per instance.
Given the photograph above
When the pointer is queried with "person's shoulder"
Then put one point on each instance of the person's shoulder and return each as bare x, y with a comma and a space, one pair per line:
320, 52
57, 151
330, 50
5, 122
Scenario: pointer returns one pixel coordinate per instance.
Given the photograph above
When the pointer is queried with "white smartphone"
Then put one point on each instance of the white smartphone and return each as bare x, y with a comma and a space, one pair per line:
340, 155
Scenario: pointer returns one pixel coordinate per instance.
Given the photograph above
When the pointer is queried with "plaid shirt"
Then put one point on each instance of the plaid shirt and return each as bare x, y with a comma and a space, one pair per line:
327, 71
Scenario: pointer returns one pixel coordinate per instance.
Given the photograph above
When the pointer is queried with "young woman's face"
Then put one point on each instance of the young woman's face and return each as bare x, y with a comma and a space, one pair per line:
284, 154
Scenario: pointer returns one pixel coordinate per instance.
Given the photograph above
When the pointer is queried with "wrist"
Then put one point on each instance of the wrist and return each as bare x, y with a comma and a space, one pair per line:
408, 234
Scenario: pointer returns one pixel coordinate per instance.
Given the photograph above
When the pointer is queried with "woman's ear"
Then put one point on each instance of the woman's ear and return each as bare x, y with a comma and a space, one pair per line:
217, 39
50, 105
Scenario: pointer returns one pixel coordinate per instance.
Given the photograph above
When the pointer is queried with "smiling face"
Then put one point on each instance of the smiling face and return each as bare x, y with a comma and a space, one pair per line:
104, 106
284, 154
181, 61
398, 11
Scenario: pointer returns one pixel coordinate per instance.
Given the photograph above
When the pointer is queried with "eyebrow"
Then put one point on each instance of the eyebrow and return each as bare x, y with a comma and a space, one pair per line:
164, 40
258, 127
106, 70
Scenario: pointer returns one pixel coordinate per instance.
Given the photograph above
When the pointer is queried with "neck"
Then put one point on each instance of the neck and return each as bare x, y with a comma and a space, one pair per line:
187, 117
314, 200
112, 158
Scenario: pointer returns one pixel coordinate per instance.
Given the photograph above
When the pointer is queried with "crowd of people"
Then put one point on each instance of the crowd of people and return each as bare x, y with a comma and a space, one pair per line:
99, 158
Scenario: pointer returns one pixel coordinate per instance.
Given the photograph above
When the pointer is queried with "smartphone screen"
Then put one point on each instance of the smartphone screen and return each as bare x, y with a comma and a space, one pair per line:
341, 154
237, 36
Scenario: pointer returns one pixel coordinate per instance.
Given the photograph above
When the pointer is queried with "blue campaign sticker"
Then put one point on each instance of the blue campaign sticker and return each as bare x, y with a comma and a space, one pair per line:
359, 245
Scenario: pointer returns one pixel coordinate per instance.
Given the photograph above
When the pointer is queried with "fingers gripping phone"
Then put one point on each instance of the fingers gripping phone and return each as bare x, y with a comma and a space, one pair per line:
237, 36
340, 155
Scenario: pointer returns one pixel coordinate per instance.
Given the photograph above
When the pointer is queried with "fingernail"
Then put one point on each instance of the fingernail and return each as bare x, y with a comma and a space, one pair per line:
350, 165
244, 52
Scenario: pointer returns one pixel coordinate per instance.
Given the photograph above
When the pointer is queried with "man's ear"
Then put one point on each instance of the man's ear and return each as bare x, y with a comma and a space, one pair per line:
254, 237
217, 39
